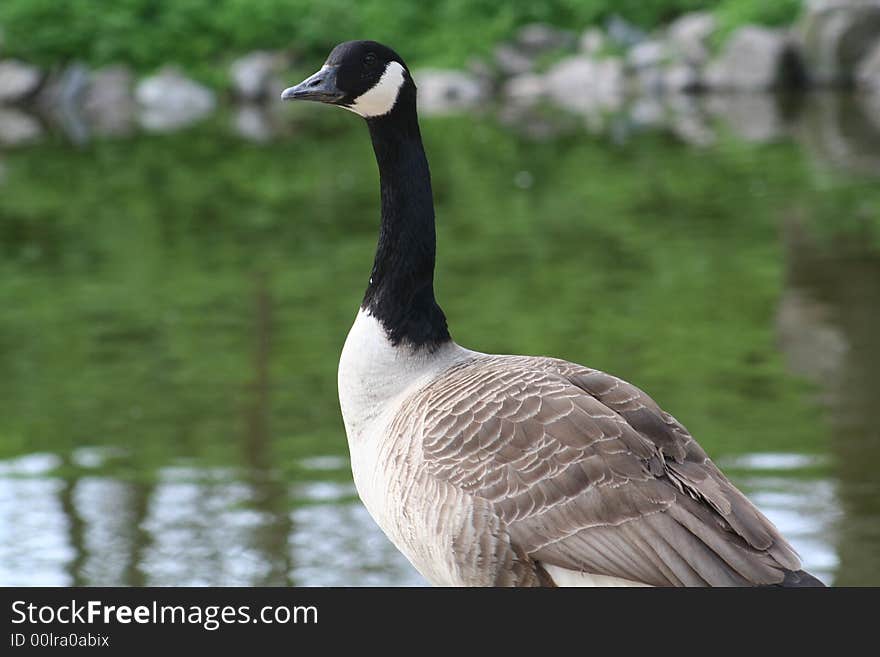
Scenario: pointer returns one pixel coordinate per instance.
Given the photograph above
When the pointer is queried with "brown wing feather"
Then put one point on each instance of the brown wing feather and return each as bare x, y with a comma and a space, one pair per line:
588, 473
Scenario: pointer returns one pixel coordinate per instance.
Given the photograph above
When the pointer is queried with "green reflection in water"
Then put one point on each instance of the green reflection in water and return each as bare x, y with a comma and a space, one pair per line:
183, 299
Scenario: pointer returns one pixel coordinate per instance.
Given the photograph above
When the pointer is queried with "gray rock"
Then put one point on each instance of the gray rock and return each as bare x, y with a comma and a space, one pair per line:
623, 33
647, 112
526, 89
18, 128
647, 54
868, 71
59, 100
586, 85
592, 41
252, 75
836, 35
510, 60
688, 120
481, 70
650, 81
682, 78
445, 91
108, 102
755, 59
64, 88
753, 117
578, 83
169, 100
18, 81
688, 37
647, 63
539, 38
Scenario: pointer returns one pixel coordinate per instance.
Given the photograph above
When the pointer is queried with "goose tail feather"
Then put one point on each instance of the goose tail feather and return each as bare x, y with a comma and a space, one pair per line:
798, 579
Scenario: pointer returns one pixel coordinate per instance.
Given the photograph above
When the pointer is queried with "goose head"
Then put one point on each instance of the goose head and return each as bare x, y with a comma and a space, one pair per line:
364, 77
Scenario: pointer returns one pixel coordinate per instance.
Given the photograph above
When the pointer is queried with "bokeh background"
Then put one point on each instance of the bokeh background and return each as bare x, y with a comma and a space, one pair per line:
690, 201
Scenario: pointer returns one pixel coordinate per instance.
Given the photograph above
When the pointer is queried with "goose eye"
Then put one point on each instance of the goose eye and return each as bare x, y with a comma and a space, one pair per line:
370, 59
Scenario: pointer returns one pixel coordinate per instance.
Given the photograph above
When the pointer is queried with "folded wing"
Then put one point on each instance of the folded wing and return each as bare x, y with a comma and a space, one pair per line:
589, 474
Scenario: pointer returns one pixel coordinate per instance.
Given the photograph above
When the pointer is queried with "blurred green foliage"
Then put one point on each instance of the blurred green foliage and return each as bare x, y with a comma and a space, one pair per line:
732, 14
201, 34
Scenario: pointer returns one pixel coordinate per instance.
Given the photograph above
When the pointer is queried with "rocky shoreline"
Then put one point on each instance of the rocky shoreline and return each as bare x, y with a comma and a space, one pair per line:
834, 45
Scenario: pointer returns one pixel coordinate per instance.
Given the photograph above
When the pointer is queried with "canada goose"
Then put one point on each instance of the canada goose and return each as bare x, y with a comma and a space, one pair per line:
489, 470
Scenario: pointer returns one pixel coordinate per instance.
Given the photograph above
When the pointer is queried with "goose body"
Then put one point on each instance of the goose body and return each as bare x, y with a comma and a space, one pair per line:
495, 470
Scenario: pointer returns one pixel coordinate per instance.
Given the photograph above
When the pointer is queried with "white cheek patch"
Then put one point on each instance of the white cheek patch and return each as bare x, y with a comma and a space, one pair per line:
380, 98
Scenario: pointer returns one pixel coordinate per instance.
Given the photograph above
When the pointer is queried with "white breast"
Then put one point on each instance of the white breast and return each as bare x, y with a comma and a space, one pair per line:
375, 378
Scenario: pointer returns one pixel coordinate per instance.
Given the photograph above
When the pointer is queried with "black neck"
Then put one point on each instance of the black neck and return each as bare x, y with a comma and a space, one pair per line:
401, 289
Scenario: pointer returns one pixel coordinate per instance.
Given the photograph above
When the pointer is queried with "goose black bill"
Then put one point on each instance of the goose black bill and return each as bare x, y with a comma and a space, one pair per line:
320, 87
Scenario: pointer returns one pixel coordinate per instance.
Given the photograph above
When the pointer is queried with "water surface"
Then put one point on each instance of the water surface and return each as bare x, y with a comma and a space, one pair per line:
174, 307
